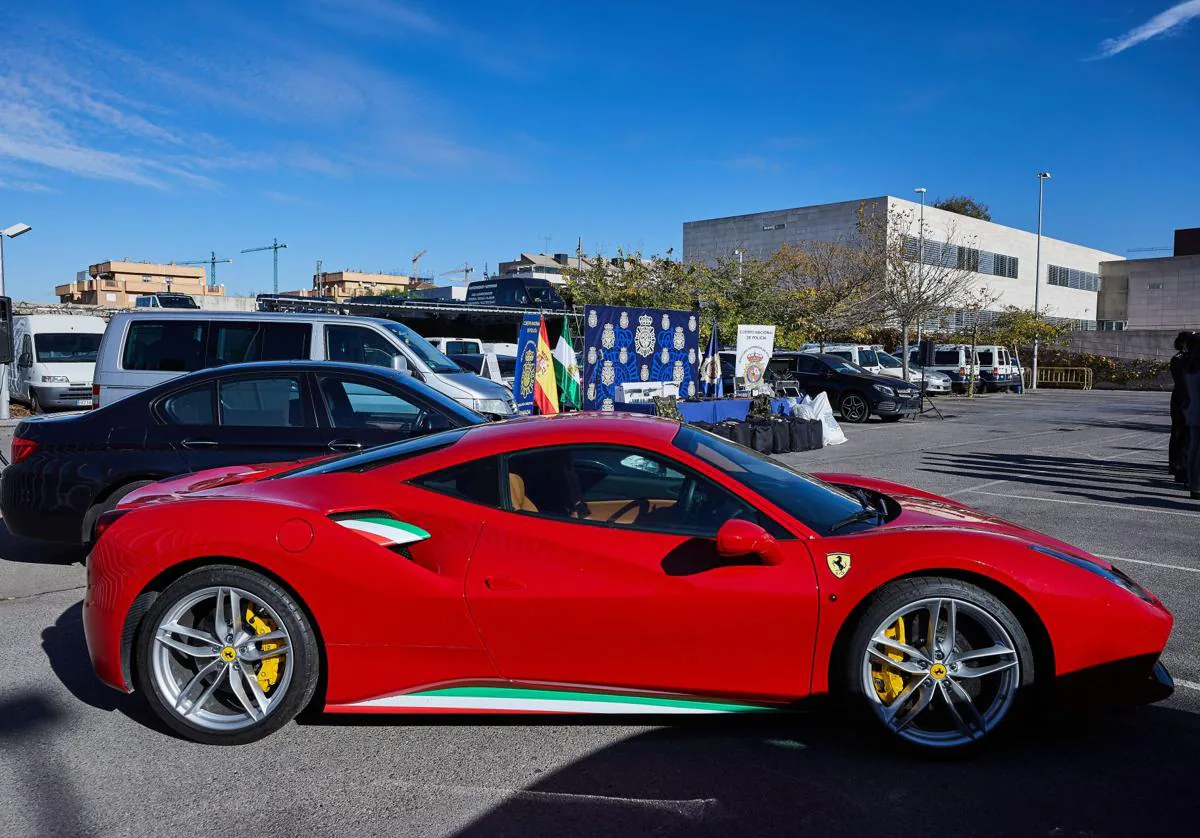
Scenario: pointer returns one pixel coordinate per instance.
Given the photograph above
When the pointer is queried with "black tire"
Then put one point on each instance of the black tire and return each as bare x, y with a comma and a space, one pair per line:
107, 505
895, 418
35, 404
895, 596
303, 657
854, 408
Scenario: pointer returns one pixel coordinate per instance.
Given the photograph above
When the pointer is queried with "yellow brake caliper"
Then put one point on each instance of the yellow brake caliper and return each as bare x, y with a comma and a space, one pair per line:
888, 682
268, 670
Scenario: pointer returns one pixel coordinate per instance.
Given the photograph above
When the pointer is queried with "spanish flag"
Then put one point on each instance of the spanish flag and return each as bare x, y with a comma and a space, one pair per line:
545, 387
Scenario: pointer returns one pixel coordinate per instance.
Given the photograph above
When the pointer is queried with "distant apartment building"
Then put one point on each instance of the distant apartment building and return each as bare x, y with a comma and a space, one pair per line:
539, 266
118, 284
343, 285
1002, 258
1158, 294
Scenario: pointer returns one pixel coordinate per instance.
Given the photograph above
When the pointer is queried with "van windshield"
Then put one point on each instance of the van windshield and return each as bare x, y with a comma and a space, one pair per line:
423, 349
66, 348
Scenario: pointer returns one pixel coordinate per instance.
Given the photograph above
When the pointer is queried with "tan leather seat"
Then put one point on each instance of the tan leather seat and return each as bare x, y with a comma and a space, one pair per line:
516, 494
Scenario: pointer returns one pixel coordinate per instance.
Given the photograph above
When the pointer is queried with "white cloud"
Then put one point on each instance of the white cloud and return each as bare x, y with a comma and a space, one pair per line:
1160, 24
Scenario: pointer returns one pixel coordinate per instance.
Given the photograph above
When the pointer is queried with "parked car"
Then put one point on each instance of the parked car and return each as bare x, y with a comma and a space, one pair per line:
996, 370
951, 360
165, 299
599, 564
864, 356
935, 383
480, 364
457, 346
141, 349
67, 470
56, 354
854, 392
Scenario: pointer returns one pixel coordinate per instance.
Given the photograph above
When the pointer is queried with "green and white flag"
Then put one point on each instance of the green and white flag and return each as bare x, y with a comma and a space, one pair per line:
566, 369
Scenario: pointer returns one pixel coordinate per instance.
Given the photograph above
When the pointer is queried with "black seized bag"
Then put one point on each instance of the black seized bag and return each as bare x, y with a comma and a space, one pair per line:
798, 430
781, 441
724, 429
704, 426
742, 433
763, 439
816, 433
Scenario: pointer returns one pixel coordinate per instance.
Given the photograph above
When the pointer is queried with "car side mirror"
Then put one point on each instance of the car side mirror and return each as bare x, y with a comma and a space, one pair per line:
738, 537
25, 361
400, 364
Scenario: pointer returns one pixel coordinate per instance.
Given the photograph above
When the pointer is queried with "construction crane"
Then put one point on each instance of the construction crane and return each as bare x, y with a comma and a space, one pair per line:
465, 270
212, 261
274, 247
416, 263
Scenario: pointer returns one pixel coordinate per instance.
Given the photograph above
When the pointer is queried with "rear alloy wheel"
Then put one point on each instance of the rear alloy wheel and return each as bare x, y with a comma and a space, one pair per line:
940, 663
225, 656
35, 404
854, 408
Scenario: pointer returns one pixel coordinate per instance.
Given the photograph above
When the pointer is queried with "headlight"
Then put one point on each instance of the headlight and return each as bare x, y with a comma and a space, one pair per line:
500, 407
1117, 577
886, 390
55, 379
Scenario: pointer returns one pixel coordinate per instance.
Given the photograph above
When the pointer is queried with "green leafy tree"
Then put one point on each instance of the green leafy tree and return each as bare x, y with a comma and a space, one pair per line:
963, 205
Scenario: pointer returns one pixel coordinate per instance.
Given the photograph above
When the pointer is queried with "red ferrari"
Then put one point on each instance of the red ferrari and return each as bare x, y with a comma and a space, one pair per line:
595, 564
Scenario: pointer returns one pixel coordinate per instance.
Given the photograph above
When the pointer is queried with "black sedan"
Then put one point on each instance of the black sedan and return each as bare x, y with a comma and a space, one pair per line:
67, 470
853, 392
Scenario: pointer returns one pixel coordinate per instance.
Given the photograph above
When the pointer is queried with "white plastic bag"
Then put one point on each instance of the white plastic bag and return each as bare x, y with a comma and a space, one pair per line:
817, 407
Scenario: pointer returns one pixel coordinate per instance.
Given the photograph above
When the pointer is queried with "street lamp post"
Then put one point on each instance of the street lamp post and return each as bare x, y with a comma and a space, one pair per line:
920, 190
1037, 275
8, 233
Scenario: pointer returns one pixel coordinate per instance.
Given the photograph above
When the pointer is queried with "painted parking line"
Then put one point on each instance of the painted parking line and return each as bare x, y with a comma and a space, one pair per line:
1124, 506
976, 488
1187, 685
1122, 560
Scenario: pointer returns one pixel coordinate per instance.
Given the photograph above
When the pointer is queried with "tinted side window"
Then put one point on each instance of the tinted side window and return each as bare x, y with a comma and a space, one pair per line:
262, 403
165, 345
985, 357
868, 358
843, 353
355, 404
808, 365
478, 481
946, 357
619, 487
191, 407
358, 345
242, 342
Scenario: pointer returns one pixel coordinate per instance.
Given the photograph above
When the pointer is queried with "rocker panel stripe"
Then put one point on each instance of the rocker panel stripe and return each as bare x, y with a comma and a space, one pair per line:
553, 701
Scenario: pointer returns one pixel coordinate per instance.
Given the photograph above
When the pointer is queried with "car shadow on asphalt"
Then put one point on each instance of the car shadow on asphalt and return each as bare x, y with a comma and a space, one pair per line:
25, 718
1128, 484
1107, 774
17, 549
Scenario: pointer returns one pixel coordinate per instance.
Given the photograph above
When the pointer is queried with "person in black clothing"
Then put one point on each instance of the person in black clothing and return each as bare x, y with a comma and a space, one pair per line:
1177, 450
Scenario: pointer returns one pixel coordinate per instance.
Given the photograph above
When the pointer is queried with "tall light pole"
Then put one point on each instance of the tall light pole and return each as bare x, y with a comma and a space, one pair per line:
920, 190
1037, 274
8, 233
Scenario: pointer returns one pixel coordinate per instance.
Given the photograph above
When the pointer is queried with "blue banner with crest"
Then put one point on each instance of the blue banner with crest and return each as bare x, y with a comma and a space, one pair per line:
637, 344
526, 367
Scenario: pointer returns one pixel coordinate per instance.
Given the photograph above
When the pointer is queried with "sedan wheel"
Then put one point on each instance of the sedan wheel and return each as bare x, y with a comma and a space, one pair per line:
854, 408
225, 656
941, 663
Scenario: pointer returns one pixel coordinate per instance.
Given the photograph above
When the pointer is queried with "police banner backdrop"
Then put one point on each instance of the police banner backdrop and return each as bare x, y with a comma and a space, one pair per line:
637, 344
526, 366
754, 347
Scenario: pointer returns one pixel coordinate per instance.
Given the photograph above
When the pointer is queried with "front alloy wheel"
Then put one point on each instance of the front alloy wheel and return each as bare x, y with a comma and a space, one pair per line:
941, 663
854, 408
225, 656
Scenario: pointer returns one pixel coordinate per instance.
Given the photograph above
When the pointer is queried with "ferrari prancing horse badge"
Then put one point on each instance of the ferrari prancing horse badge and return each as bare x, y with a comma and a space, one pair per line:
839, 563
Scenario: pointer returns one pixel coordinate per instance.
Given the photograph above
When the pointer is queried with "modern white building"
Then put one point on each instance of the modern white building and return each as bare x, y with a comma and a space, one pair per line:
1003, 258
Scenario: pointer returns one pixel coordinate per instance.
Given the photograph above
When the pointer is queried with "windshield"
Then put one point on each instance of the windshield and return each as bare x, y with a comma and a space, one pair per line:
542, 295
816, 504
866, 358
67, 348
423, 349
889, 361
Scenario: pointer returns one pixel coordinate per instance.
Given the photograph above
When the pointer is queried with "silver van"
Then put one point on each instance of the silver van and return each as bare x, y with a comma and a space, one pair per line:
143, 348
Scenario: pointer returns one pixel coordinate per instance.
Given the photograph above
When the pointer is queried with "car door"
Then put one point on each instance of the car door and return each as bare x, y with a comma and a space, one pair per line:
602, 572
812, 375
357, 411
250, 418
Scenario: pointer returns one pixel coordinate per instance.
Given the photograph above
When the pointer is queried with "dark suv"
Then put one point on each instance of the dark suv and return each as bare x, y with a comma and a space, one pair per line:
853, 391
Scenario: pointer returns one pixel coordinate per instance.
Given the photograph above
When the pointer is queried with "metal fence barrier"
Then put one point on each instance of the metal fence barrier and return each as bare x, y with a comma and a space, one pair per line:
1080, 377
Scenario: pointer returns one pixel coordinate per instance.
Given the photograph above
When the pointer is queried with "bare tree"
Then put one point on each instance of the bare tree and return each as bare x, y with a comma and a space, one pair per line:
826, 288
912, 288
975, 301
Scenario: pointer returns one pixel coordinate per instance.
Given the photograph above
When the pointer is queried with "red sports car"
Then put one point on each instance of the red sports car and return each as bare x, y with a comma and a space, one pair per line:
595, 564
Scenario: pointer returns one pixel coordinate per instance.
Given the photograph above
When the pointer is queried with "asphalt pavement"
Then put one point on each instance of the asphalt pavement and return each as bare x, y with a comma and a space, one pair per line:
79, 759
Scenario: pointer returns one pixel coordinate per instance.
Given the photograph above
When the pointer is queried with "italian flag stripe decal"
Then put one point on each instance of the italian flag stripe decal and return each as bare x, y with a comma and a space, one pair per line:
385, 532
516, 699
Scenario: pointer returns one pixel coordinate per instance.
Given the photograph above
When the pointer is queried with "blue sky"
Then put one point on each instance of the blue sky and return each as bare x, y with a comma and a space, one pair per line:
359, 131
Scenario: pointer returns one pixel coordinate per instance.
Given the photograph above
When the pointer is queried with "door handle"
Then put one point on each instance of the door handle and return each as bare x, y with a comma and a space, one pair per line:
503, 583
345, 445
199, 443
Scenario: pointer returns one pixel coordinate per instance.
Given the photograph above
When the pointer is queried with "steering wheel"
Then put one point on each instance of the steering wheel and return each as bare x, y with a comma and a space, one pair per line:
642, 505
687, 498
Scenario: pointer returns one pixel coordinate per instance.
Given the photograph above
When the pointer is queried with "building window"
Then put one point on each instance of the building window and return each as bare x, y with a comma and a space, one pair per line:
1155, 286
962, 258
1072, 278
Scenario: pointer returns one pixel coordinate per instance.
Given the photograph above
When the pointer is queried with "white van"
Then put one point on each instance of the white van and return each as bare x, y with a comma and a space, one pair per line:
864, 356
458, 346
55, 356
143, 348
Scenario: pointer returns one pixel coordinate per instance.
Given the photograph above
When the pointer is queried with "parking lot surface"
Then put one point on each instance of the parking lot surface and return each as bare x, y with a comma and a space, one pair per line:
1088, 467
